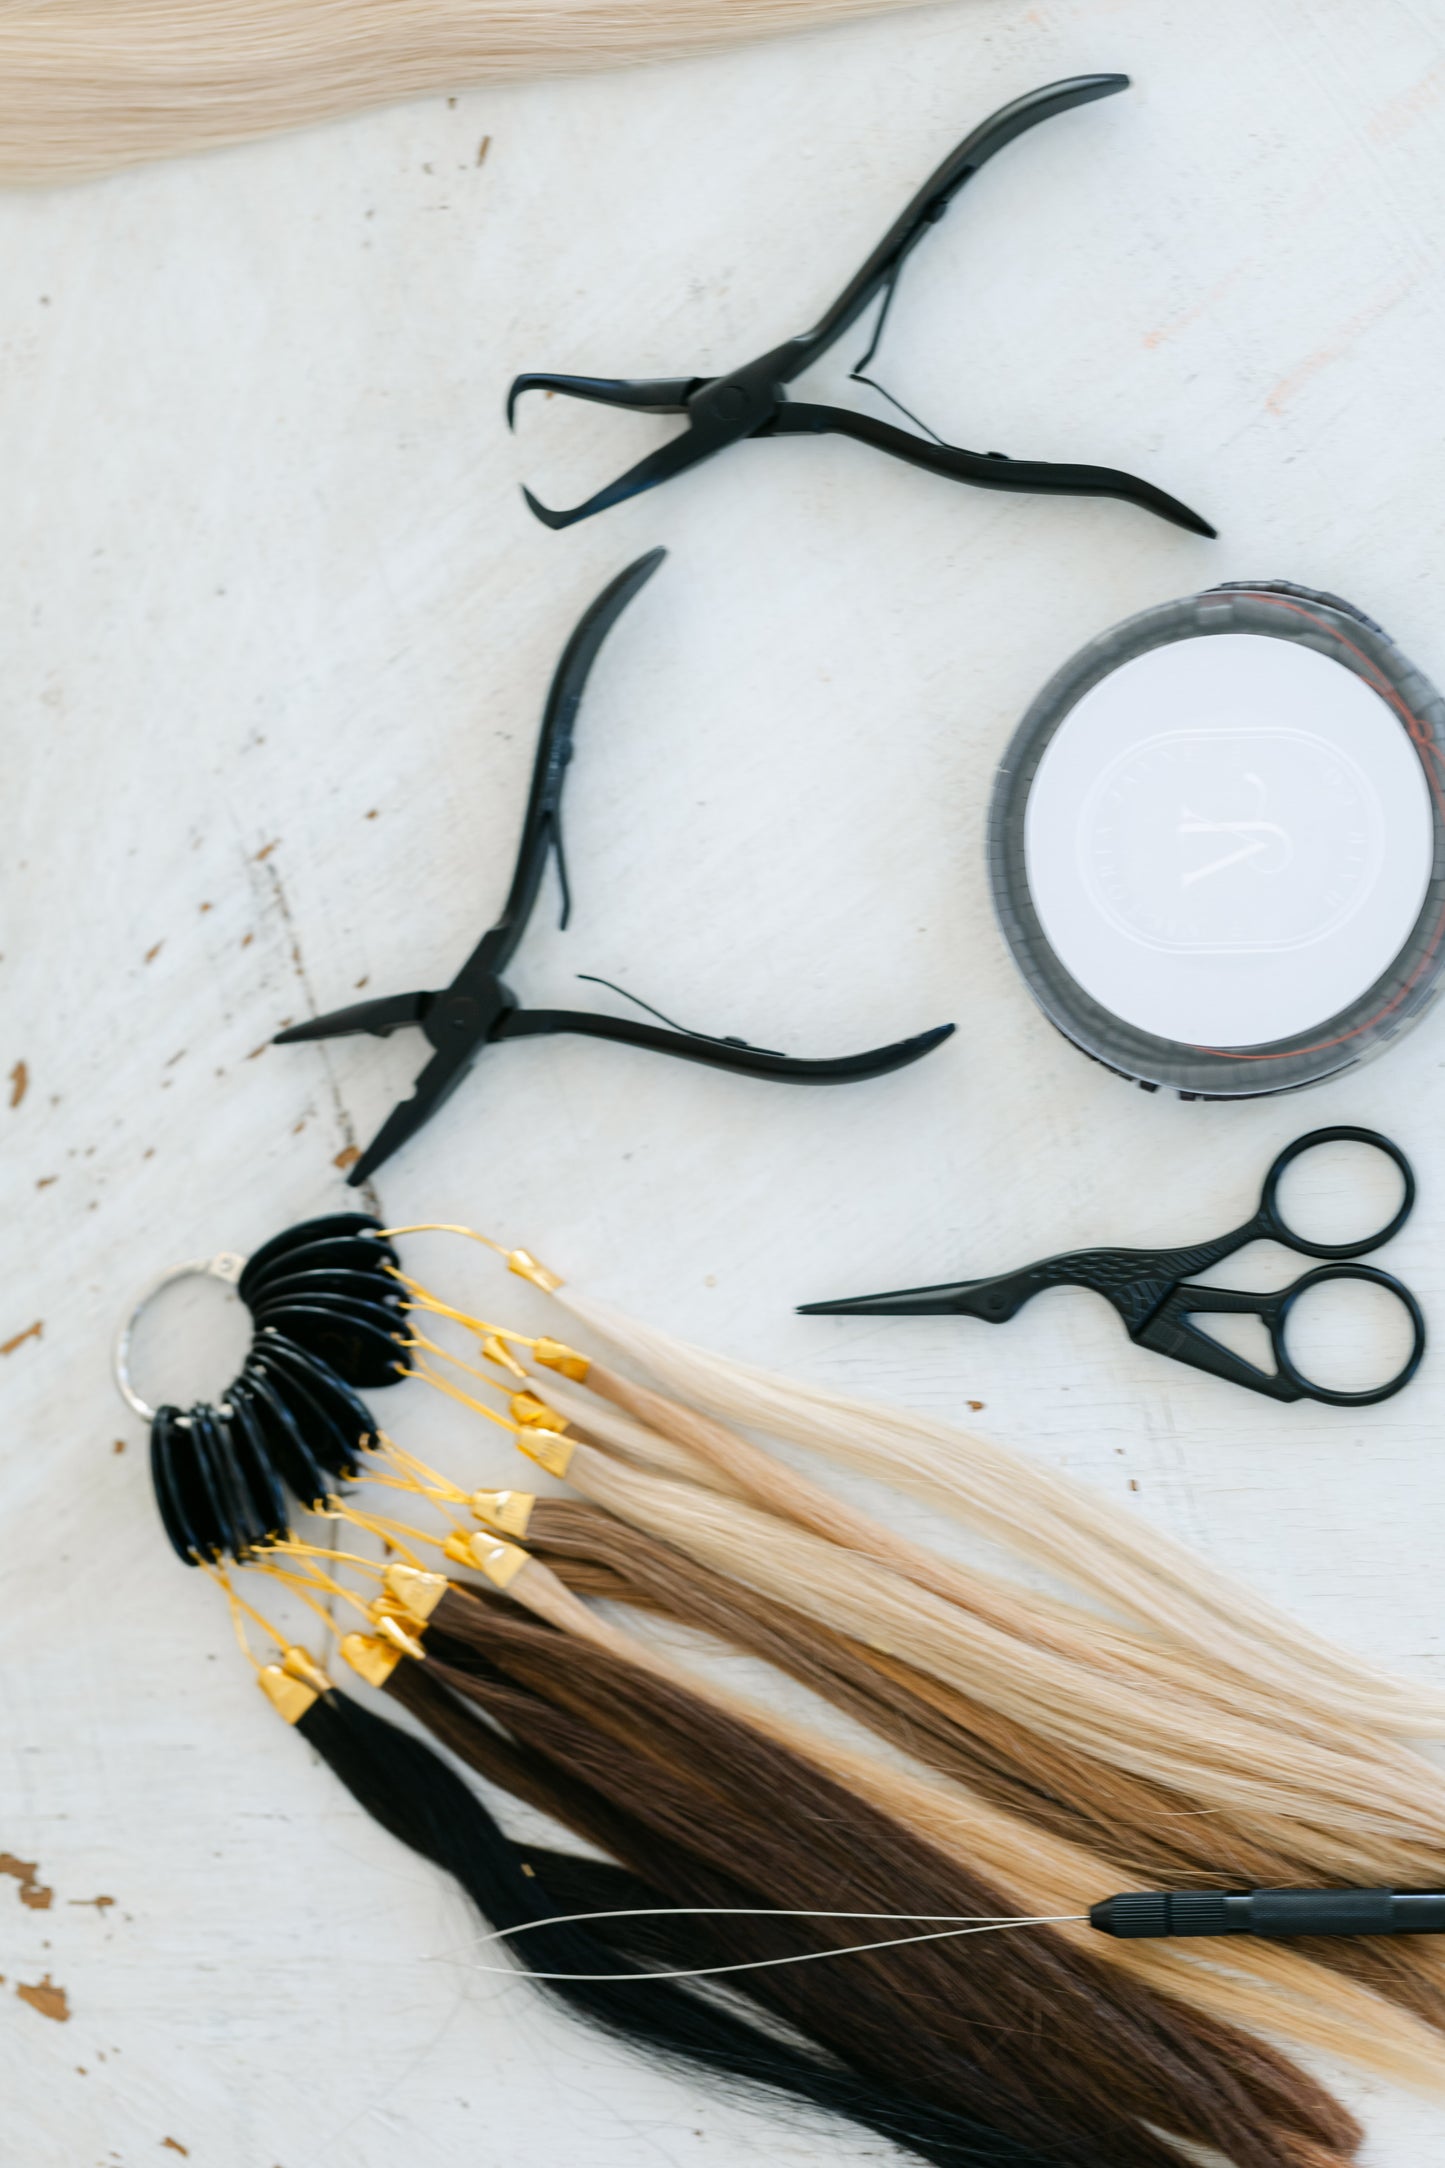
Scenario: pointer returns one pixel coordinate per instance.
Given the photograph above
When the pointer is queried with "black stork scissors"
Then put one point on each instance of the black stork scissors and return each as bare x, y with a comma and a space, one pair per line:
752, 401
477, 1008
1152, 1293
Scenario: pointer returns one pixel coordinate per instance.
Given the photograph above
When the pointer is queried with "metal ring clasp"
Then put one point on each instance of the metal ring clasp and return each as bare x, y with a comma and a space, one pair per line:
227, 1267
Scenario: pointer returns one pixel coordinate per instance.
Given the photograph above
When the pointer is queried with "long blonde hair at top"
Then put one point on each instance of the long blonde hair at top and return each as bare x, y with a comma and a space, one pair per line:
88, 85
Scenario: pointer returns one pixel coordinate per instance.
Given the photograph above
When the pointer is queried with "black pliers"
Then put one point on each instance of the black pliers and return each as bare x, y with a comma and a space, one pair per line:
752, 401
477, 1008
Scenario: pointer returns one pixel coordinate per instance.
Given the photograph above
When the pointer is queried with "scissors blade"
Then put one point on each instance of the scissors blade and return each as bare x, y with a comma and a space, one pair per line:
1134, 1281
992, 1300
438, 1080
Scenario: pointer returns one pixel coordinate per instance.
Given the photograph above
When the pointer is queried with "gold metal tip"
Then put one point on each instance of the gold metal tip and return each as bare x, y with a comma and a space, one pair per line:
497, 1351
483, 1553
417, 1591
509, 1510
299, 1665
401, 1632
556, 1355
289, 1697
526, 1267
503, 1562
548, 1448
527, 1408
371, 1658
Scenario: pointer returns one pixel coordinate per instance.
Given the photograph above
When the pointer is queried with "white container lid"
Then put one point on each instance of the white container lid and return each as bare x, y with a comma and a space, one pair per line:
1217, 845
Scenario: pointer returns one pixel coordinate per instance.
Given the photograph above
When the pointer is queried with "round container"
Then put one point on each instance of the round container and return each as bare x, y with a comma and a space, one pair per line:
1217, 843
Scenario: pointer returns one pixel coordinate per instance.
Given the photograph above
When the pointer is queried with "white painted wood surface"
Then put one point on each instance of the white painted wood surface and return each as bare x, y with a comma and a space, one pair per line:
277, 628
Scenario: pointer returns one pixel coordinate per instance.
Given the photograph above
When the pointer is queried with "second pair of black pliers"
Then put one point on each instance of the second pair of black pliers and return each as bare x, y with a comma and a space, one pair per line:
753, 402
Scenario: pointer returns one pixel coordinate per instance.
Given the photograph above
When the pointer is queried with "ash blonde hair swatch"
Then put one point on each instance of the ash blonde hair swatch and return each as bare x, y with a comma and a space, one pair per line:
89, 85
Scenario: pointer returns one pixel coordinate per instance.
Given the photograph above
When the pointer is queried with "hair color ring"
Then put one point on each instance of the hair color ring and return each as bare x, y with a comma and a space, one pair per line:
1217, 843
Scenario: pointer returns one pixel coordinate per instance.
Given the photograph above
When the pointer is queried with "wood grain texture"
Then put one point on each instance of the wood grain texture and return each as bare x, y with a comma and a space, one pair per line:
277, 629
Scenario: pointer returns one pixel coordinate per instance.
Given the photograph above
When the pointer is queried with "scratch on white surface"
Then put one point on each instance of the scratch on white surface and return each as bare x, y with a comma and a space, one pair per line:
1337, 346
1404, 111
350, 1149
1203, 307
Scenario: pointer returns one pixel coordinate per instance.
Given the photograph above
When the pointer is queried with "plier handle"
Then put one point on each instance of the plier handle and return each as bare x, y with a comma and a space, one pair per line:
752, 401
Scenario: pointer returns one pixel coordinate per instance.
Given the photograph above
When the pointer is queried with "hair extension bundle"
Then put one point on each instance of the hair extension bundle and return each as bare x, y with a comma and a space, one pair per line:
1080, 1797
671, 1439
686, 1941
1021, 2019
1351, 1800
405, 1787
725, 1462
983, 1677
1291, 1832
1141, 1825
1268, 1987
86, 85
1140, 1830
1290, 1678
1132, 1570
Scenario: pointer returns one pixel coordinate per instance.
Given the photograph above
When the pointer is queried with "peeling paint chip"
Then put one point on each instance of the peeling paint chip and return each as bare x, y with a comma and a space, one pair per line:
348, 1158
19, 1083
51, 2001
176, 2146
32, 1891
482, 148
265, 851
31, 1332
977, 1406
152, 953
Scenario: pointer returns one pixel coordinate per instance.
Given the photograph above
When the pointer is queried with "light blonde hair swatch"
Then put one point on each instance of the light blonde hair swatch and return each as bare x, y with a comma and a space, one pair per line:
1270, 1754
1359, 1809
88, 85
1131, 1569
684, 1443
